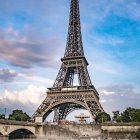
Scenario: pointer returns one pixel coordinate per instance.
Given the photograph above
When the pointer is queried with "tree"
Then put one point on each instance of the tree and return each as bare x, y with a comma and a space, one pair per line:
116, 116
19, 115
2, 116
102, 117
131, 115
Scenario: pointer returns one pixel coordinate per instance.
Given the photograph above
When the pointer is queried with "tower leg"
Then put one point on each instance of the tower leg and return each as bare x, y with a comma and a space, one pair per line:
61, 112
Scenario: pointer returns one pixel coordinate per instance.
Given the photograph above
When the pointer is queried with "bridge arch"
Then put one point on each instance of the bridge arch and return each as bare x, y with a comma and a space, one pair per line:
21, 128
21, 133
54, 105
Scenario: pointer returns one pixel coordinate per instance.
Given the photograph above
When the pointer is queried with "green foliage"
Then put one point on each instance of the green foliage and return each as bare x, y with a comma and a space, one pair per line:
130, 115
116, 116
119, 119
2, 116
102, 117
138, 134
19, 115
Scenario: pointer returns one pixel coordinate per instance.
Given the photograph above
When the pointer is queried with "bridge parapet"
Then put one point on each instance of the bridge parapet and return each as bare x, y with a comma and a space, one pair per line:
120, 127
122, 124
12, 122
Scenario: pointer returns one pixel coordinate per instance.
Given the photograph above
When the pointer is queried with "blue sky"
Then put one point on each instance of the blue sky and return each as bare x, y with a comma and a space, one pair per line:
33, 39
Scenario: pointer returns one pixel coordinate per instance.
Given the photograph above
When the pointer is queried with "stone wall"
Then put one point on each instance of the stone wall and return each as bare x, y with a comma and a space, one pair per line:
71, 131
121, 130
90, 130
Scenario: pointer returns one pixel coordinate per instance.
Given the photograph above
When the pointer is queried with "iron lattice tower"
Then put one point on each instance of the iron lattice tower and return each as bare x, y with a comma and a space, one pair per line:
64, 97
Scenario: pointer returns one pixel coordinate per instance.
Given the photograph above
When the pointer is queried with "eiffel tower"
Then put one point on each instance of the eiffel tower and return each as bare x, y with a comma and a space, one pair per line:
64, 97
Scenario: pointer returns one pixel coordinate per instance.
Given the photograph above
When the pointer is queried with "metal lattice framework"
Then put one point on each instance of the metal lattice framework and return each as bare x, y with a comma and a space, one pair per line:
64, 97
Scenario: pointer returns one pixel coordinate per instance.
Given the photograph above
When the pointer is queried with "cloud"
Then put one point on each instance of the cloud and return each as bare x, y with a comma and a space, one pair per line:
112, 61
14, 80
103, 101
107, 40
36, 79
28, 99
130, 9
100, 11
30, 51
105, 64
7, 75
104, 92
119, 97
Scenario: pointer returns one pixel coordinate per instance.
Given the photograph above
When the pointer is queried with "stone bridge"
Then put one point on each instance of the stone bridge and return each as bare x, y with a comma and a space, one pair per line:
7, 128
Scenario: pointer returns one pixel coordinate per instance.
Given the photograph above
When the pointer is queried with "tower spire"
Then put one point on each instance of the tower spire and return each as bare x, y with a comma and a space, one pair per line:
74, 46
74, 61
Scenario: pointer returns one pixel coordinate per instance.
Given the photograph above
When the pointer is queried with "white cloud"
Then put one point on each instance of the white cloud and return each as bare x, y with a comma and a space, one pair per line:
31, 95
128, 9
37, 79
107, 40
103, 101
119, 97
105, 92
99, 11
27, 100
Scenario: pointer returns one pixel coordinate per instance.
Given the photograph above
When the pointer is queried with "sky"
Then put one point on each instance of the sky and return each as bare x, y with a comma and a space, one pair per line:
33, 35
